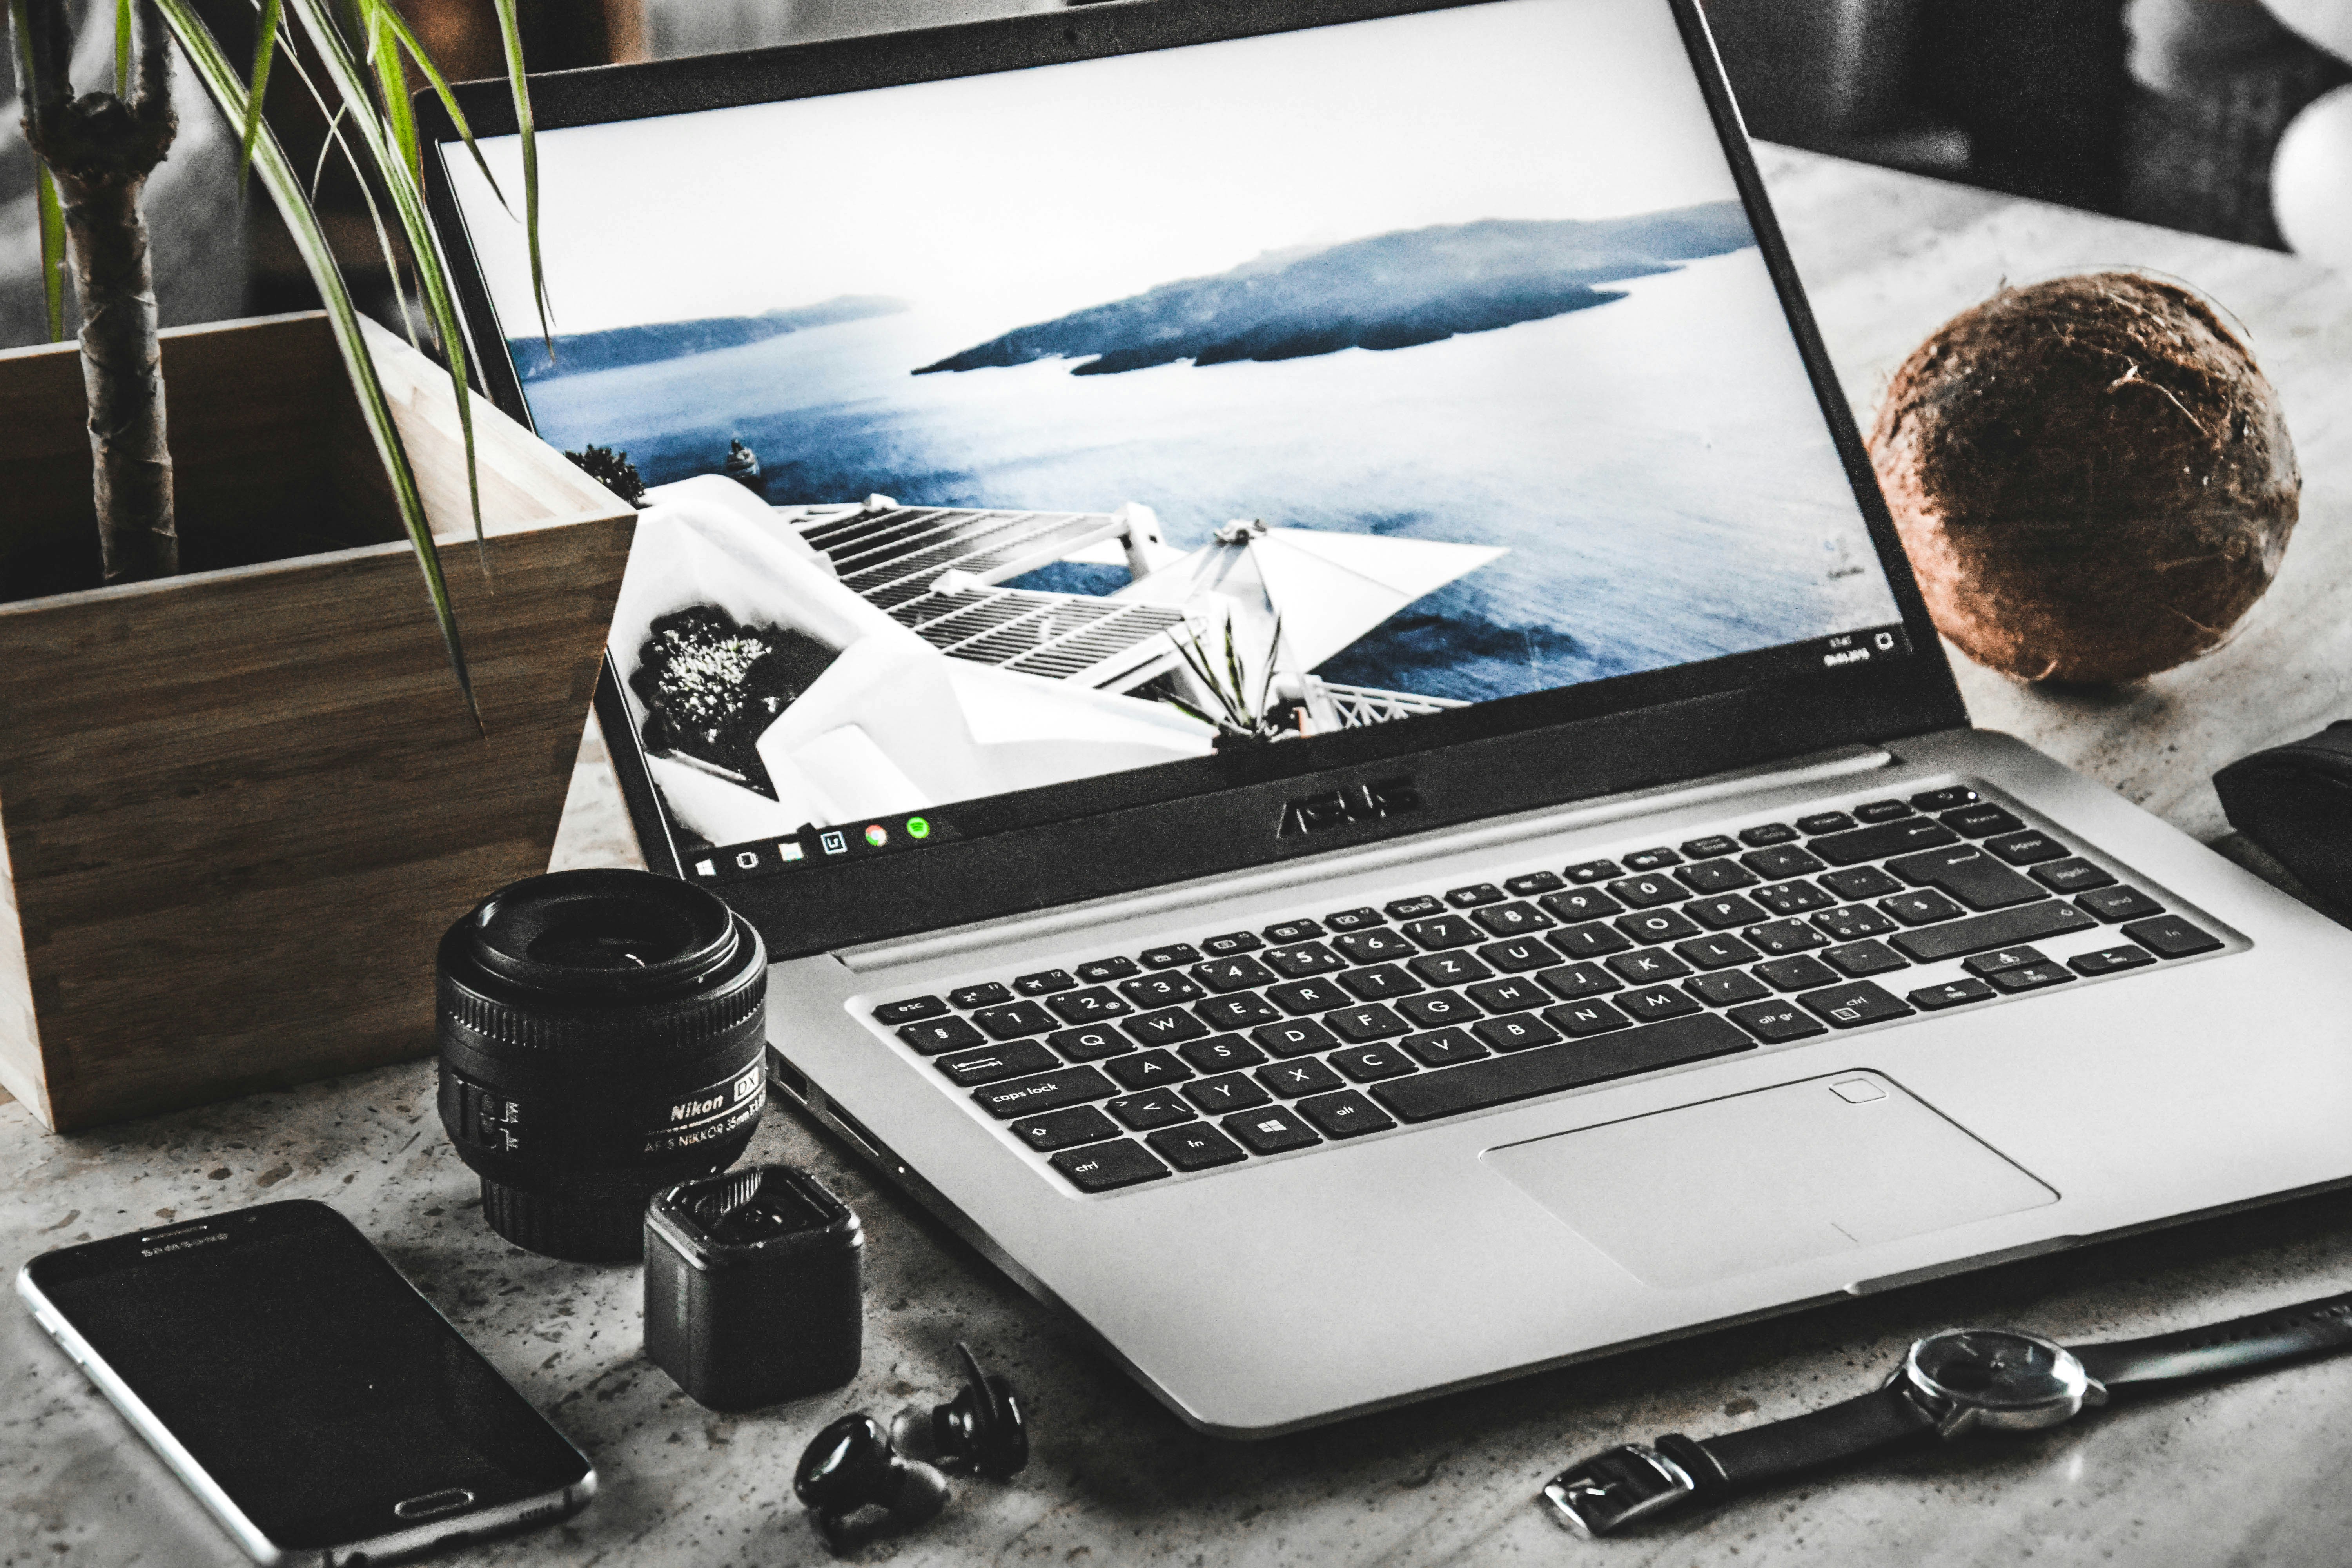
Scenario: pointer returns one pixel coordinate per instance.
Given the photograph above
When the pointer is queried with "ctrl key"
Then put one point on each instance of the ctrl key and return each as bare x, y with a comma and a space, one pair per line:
1100, 1167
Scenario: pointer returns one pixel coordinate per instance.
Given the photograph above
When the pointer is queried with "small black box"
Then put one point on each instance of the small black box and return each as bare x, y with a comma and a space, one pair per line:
753, 1287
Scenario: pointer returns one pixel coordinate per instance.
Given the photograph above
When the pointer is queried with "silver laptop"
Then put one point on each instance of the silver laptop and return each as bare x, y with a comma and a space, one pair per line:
1276, 614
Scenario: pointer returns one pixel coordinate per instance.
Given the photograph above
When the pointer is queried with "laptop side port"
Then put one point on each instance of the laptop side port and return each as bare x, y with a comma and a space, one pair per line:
790, 1079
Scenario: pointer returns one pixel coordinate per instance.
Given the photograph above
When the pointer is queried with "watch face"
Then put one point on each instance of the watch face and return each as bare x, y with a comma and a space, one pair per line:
1999, 1369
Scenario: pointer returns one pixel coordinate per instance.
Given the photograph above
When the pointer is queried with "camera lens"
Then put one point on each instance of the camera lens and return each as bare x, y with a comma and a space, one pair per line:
601, 1039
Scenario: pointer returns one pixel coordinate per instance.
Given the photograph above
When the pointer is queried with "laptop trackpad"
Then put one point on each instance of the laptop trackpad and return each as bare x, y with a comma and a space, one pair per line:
1708, 1191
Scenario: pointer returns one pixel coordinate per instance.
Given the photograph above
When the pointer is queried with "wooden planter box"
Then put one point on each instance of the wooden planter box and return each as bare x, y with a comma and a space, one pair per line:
238, 808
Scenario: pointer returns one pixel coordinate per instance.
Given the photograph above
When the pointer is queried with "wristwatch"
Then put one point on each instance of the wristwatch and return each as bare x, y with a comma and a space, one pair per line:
1949, 1384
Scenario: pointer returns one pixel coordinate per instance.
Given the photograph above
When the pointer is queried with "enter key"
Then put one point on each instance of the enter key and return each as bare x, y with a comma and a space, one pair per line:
1969, 874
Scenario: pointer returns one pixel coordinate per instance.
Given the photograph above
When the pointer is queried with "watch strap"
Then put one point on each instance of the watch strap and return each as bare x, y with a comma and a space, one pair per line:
2248, 1341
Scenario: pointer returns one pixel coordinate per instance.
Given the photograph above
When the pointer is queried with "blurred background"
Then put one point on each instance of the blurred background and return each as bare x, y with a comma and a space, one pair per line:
2170, 112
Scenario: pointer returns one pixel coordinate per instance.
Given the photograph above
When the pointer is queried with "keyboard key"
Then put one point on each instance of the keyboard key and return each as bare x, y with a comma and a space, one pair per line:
1372, 946
1724, 913
1305, 1076
1799, 974
1089, 1045
1595, 940
1958, 994
1232, 942
1515, 1032
1146, 1070
1290, 931
1793, 898
1656, 925
1730, 986
1579, 904
1300, 997
1881, 811
1593, 871
1779, 861
912, 1010
1220, 1053
1473, 895
1656, 860
1575, 980
1100, 1167
2032, 977
1822, 822
2071, 876
1361, 919
1227, 1091
1065, 1129
1445, 1048
986, 995
1648, 966
2016, 957
1104, 969
1921, 909
1195, 1148
1854, 922
2169, 936
936, 1034
1651, 1003
1648, 892
1297, 1038
1945, 799
1859, 959
1241, 972
1783, 937
1982, 934
1577, 1019
1981, 821
1512, 995
1886, 839
1856, 882
970, 1069
1344, 1115
1449, 968
1382, 983
2111, 959
1045, 982
1969, 874
2114, 905
1088, 1006
2026, 848
1520, 956
1855, 1004
1534, 882
1517, 918
1770, 834
1711, 846
1236, 1011
1168, 1026
1162, 990
1438, 1009
1413, 909
1358, 1024
1045, 1092
1370, 1063
1775, 1022
1498, 1081
1716, 876
1172, 956
1142, 1112
1273, 1130
1720, 950
1305, 959
1441, 931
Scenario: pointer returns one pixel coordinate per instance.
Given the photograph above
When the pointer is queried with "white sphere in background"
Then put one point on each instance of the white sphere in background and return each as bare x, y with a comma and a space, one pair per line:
2327, 23
2311, 181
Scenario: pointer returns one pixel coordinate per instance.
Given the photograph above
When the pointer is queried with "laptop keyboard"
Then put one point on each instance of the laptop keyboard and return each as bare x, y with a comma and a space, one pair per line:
1220, 1051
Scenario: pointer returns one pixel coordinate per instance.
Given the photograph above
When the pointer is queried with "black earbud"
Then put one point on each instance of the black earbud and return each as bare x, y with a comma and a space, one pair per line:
857, 1487
981, 1431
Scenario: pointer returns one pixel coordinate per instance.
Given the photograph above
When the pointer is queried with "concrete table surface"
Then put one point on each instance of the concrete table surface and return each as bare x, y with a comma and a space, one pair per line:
2245, 1471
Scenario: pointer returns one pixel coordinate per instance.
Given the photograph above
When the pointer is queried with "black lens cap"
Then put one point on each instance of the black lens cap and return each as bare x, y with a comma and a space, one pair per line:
606, 931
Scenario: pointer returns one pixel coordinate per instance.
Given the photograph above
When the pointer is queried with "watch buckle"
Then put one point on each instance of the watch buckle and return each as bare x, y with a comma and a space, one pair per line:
1612, 1490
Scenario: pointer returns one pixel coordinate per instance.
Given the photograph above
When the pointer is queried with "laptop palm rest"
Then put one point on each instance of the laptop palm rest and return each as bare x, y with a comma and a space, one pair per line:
1779, 1175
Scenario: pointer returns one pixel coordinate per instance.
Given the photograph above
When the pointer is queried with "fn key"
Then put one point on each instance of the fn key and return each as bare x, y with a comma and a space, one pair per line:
1100, 1167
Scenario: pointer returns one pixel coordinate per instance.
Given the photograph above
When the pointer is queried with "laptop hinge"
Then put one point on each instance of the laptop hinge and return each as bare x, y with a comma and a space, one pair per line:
1818, 767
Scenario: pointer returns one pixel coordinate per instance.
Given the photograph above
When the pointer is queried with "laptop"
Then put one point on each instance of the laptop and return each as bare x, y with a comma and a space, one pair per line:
1273, 609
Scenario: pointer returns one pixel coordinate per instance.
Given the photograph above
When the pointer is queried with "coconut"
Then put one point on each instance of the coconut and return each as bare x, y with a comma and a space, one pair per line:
2092, 478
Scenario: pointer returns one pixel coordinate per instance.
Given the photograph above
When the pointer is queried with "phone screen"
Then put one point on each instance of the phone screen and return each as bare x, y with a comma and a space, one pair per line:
303, 1375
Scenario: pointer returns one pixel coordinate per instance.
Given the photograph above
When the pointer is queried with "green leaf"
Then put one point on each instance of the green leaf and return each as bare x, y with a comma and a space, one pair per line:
53, 249
511, 35
123, 49
383, 53
284, 183
265, 44
432, 73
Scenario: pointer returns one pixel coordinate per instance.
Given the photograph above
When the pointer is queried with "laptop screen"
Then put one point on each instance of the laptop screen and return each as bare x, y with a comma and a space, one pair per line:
1112, 413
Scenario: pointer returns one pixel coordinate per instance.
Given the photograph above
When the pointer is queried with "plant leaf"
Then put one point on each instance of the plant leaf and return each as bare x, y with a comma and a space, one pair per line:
123, 49
400, 115
510, 36
432, 73
333, 141
53, 249
265, 44
279, 178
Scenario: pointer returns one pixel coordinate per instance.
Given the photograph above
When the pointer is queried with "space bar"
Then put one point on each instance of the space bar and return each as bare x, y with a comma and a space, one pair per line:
1451, 1090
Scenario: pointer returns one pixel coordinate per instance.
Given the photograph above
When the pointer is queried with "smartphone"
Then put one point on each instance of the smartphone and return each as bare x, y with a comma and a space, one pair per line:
321, 1409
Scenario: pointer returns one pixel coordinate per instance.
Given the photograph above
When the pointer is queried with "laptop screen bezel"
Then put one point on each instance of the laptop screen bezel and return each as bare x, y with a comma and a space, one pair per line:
1121, 832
